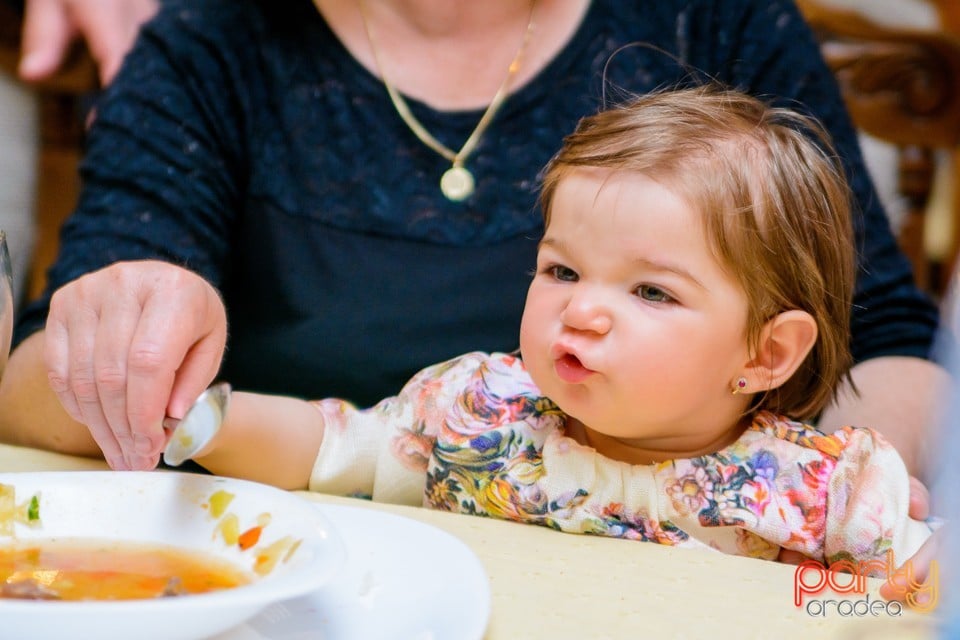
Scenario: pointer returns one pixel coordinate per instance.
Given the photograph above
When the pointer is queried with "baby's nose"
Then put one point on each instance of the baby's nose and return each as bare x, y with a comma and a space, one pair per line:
586, 311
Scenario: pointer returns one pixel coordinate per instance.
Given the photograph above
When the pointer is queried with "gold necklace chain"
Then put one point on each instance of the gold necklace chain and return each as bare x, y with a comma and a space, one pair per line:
457, 182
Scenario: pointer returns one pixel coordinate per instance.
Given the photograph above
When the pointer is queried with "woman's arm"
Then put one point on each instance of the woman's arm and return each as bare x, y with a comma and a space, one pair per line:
899, 397
380, 451
893, 322
32, 416
160, 185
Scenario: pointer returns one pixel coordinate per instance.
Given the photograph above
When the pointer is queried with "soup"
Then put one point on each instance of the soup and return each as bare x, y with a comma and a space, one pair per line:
79, 569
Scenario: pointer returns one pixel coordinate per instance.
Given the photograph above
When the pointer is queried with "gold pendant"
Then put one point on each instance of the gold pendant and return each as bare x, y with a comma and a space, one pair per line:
457, 184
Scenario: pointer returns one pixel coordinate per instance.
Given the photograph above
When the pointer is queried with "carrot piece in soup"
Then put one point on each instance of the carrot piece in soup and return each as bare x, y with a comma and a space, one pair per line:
249, 537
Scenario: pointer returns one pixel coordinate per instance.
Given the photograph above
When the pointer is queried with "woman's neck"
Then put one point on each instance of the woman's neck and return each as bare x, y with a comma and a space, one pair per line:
449, 19
453, 54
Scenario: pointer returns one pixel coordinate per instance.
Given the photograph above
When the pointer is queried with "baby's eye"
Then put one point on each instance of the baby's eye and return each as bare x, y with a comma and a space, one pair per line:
562, 273
653, 294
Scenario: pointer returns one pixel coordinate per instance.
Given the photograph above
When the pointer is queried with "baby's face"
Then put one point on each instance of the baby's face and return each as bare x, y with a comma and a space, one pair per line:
631, 325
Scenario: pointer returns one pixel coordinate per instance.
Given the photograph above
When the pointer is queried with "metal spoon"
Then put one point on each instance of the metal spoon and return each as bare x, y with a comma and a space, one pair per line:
6, 302
199, 425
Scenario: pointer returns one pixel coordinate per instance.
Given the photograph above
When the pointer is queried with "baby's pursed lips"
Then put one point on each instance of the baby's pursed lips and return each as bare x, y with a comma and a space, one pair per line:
559, 351
572, 360
571, 370
567, 354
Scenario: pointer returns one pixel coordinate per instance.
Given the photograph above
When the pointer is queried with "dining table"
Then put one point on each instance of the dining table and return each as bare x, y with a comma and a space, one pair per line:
549, 584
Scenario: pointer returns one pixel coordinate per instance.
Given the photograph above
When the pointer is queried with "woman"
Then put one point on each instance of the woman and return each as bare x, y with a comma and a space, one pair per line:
255, 161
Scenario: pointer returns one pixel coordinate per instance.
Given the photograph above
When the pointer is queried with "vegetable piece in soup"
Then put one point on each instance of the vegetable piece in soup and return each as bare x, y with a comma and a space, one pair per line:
27, 512
110, 570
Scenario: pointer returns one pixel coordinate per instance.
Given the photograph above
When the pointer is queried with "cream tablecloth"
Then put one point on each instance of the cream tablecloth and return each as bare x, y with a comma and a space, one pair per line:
554, 585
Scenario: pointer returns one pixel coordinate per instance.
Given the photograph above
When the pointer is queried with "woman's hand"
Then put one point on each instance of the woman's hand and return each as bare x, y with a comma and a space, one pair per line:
108, 26
127, 346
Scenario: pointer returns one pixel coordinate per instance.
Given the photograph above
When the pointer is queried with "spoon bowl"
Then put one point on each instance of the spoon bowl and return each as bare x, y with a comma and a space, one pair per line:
198, 426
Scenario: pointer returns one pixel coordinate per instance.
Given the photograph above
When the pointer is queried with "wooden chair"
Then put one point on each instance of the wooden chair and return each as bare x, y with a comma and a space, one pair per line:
902, 87
61, 100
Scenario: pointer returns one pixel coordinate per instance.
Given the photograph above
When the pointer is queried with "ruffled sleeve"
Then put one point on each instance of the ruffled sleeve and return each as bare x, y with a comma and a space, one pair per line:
868, 501
382, 452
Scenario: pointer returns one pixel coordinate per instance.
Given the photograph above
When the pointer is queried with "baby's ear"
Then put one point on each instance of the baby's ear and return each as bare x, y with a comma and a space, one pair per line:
785, 341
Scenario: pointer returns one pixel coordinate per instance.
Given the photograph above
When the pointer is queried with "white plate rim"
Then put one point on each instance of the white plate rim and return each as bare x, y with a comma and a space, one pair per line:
349, 520
260, 593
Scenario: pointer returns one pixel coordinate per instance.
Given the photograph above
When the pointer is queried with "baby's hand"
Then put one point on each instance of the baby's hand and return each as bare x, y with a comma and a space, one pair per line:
921, 563
919, 500
789, 556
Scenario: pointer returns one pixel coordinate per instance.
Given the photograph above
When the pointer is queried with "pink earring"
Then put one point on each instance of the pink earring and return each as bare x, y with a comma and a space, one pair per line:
739, 385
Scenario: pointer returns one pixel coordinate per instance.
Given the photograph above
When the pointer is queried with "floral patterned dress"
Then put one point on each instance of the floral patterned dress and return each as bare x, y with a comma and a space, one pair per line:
475, 435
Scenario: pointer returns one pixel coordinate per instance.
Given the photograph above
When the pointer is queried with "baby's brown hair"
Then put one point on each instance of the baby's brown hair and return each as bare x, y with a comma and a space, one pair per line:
776, 207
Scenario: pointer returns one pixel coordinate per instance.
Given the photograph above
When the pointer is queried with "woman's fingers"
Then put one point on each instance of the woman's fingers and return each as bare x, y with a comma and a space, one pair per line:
117, 342
202, 361
47, 32
179, 314
57, 354
119, 318
109, 28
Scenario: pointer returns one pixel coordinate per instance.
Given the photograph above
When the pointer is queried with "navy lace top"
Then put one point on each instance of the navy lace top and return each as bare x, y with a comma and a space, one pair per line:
242, 140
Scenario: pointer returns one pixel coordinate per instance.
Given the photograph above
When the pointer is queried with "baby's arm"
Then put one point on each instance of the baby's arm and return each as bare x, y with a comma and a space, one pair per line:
270, 439
334, 447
